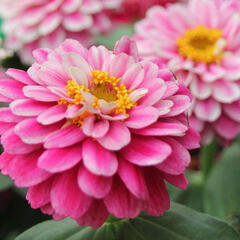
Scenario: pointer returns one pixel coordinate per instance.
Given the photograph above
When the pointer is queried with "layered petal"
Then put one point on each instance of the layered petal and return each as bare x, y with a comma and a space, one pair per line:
146, 151
99, 160
66, 197
59, 160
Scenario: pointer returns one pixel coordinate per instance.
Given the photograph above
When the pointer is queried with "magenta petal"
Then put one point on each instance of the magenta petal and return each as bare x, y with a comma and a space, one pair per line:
141, 117
179, 181
207, 110
64, 137
226, 92
71, 45
72, 111
28, 107
164, 128
159, 200
191, 140
96, 56
181, 103
11, 89
99, 160
6, 115
128, 46
163, 106
117, 137
227, 128
133, 179
41, 55
25, 172
95, 129
70, 6
179, 159
52, 75
93, 185
232, 110
47, 209
39, 195
31, 132
146, 151
5, 99
5, 126
156, 89
71, 22
66, 197
52, 115
20, 76
96, 215
121, 203
14, 145
40, 93
58, 160
133, 77
5, 159
119, 65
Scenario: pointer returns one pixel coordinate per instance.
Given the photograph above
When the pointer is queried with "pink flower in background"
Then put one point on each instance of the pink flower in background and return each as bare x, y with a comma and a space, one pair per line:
31, 24
95, 132
200, 43
134, 9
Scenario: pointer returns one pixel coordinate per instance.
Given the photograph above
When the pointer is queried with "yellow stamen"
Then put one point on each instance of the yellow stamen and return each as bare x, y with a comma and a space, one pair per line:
96, 103
62, 101
80, 119
201, 44
103, 87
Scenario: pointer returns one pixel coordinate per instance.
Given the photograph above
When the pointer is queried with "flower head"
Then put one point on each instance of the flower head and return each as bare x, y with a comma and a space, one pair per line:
199, 42
29, 24
134, 9
95, 132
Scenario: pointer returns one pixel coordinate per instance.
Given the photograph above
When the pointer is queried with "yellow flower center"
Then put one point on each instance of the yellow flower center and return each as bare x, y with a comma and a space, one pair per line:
102, 86
202, 44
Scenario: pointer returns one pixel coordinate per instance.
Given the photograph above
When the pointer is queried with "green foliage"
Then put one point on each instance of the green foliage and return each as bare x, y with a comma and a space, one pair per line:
13, 62
222, 192
5, 182
179, 223
16, 215
110, 39
1, 31
193, 195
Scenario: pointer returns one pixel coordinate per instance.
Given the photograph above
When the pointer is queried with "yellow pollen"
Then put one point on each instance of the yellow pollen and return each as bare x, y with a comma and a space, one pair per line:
80, 119
62, 101
96, 103
102, 86
201, 44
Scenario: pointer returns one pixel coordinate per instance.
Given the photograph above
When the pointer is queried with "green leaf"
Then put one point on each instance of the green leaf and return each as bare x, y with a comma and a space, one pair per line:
110, 39
13, 62
193, 196
208, 154
222, 191
179, 223
3, 104
5, 182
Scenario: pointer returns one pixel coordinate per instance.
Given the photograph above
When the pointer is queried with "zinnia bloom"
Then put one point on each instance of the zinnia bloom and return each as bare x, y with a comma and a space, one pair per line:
30, 24
134, 9
95, 132
200, 42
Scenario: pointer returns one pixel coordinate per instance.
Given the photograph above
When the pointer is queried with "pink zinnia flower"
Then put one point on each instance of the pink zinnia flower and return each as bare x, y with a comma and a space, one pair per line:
95, 132
200, 43
134, 9
31, 24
